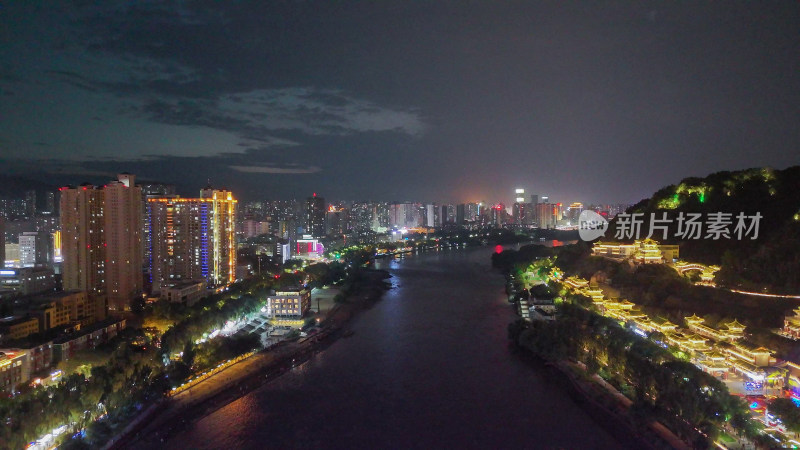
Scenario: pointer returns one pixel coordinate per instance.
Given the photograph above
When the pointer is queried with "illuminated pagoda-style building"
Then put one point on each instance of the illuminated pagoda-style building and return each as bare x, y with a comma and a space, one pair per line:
648, 252
757, 356
595, 293
713, 362
688, 342
575, 282
791, 324
663, 325
694, 319
734, 330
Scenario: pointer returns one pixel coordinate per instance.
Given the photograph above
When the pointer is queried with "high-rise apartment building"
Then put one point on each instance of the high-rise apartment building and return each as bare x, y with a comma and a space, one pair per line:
431, 219
82, 244
315, 216
49, 202
337, 220
546, 215
122, 228
192, 239
101, 239
473, 212
461, 213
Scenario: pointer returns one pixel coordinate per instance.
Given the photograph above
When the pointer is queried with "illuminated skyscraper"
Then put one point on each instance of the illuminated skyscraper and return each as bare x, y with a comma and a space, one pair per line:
519, 209
192, 239
101, 240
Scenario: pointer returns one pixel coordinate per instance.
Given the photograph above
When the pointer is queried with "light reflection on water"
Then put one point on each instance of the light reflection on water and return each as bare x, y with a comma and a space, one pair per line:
428, 367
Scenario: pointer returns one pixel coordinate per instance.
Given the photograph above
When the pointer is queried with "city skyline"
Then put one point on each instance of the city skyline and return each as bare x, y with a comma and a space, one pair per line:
394, 100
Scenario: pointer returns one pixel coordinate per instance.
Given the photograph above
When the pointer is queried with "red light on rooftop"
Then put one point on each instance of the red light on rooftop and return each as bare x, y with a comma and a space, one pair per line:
315, 194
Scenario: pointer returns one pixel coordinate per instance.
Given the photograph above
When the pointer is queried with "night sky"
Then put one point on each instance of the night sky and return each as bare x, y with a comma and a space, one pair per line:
384, 100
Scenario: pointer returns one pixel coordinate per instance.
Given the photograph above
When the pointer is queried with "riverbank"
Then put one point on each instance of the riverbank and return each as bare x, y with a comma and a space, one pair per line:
608, 407
191, 404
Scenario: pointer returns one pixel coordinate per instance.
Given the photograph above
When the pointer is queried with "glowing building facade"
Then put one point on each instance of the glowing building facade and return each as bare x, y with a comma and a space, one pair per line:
192, 239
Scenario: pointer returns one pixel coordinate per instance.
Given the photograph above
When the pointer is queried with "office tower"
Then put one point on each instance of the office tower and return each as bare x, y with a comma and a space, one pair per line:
518, 210
82, 239
122, 228
315, 216
534, 200
519, 195
192, 239
33, 248
30, 203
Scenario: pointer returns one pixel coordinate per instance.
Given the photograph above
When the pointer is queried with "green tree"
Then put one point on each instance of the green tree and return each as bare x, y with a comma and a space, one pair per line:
786, 410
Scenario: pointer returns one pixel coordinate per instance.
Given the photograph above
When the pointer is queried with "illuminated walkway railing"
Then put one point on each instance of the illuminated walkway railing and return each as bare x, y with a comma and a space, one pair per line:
205, 375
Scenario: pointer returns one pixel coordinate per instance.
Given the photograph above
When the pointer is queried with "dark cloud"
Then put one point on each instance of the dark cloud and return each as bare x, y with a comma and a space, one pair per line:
447, 100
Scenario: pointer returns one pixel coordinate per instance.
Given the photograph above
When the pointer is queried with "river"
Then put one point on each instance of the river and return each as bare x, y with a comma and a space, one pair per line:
428, 366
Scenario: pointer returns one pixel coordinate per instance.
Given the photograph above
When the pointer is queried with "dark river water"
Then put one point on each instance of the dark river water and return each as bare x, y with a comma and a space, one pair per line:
429, 366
